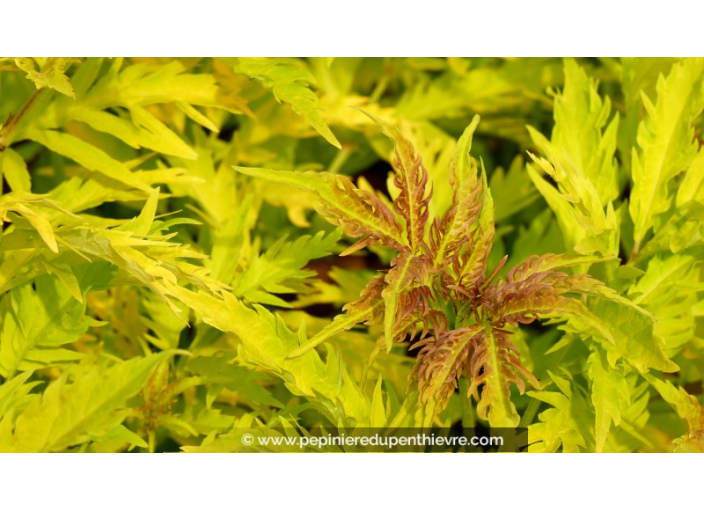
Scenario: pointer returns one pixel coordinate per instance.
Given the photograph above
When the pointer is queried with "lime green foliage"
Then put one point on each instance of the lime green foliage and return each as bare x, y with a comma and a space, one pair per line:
169, 281
288, 80
50, 73
84, 409
36, 323
666, 142
581, 162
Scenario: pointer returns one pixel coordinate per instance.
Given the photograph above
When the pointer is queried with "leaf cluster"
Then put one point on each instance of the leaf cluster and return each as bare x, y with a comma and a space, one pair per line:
193, 248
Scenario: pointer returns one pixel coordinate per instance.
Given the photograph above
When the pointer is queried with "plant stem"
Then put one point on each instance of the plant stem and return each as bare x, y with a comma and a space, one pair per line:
12, 121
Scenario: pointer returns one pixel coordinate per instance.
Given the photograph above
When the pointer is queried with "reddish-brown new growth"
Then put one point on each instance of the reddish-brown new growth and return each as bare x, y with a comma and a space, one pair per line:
438, 281
411, 179
352, 206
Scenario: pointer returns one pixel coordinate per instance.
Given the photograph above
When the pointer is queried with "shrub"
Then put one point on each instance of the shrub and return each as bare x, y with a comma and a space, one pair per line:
195, 248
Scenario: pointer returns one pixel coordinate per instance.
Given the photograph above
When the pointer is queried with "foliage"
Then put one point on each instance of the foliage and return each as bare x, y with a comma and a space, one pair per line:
195, 247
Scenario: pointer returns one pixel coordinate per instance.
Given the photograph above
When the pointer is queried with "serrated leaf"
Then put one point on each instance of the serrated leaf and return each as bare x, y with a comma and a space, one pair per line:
450, 233
35, 323
359, 212
290, 84
634, 338
268, 343
282, 265
84, 409
15, 393
610, 394
87, 156
411, 179
583, 139
666, 142
51, 72
439, 366
564, 424
586, 227
689, 409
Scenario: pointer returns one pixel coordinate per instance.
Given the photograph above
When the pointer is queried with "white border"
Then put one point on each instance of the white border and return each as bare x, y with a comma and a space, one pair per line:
424, 481
358, 27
